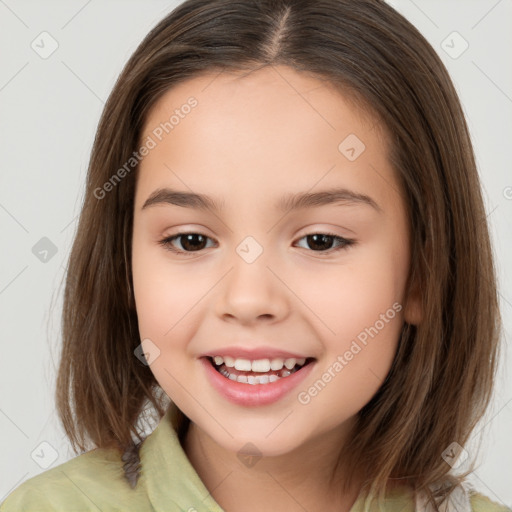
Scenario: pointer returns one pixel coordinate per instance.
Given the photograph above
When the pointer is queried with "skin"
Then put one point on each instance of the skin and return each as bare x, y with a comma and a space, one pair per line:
251, 140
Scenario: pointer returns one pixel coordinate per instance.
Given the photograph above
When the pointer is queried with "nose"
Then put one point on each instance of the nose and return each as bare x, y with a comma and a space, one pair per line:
252, 293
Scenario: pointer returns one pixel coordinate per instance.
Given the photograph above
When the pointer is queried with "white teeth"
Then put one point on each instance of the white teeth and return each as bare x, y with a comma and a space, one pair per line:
253, 379
290, 363
244, 365
276, 364
261, 379
261, 365
229, 361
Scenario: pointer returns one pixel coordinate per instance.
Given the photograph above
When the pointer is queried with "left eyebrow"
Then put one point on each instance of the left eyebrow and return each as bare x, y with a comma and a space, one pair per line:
343, 196
296, 201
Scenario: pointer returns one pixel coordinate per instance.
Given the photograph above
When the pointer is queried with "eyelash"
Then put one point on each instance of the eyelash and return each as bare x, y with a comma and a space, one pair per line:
345, 242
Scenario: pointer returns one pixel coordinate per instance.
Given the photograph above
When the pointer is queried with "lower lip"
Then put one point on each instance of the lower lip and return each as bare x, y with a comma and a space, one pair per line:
254, 394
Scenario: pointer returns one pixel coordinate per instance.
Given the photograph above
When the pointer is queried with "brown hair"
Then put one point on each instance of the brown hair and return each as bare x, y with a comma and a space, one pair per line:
443, 373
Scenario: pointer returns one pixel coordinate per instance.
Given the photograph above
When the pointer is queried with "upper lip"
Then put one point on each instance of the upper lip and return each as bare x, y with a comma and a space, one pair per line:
253, 354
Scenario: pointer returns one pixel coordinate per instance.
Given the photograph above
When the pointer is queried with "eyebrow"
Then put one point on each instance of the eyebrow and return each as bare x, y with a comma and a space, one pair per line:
289, 202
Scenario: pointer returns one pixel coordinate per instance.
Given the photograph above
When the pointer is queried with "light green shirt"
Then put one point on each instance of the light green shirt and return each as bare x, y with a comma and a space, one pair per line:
95, 481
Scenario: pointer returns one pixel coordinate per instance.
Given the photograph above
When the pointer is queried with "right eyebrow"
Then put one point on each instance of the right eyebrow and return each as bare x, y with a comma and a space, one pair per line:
184, 199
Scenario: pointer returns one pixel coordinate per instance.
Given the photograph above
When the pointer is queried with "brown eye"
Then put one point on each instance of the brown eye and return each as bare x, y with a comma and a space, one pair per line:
190, 242
323, 242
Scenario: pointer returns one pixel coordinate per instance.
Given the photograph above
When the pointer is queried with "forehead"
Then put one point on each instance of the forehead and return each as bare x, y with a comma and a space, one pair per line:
300, 93
273, 125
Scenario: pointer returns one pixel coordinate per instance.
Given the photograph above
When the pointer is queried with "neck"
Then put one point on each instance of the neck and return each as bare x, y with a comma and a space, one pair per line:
296, 481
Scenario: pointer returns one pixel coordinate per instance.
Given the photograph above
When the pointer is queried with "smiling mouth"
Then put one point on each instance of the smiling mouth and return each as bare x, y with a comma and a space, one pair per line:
257, 377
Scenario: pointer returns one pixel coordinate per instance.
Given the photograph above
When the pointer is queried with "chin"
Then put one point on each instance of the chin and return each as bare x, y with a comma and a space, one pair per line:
265, 438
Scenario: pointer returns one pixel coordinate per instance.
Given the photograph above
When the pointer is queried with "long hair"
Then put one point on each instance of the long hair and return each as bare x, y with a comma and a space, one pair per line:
442, 376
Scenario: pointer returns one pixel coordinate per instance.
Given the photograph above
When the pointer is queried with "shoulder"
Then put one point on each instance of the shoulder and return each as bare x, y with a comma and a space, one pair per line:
464, 499
86, 482
481, 503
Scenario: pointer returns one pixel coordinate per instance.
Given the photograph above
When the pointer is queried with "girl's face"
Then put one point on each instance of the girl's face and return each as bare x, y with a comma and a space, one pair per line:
262, 276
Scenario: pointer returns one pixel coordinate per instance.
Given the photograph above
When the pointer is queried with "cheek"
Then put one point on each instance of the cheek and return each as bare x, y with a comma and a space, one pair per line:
165, 310
359, 305
164, 293
350, 296
367, 324
360, 354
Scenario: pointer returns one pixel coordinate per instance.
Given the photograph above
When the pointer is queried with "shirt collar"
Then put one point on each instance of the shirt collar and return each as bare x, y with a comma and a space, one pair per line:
169, 477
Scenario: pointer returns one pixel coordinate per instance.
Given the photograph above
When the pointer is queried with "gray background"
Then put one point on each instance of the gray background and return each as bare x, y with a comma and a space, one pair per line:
49, 112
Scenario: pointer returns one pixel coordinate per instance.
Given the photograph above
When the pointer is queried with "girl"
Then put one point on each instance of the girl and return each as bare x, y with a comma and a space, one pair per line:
283, 251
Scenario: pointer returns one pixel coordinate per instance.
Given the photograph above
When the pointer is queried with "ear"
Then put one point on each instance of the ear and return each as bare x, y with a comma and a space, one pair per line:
413, 312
